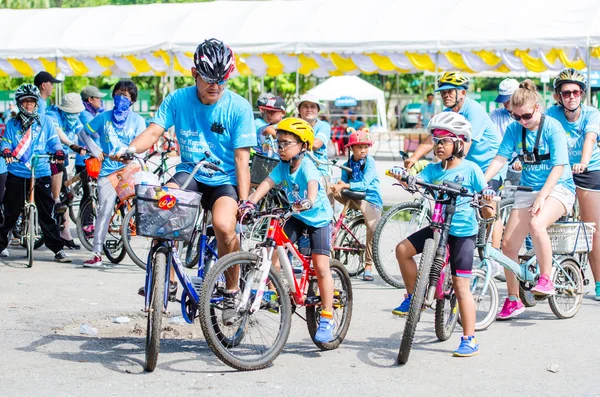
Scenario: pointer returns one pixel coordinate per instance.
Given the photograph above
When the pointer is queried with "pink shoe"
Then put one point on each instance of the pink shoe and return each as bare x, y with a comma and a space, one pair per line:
89, 231
544, 287
510, 309
94, 261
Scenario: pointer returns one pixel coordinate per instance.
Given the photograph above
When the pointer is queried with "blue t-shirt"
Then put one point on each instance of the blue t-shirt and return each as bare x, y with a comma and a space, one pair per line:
484, 135
44, 141
323, 132
42, 105
218, 129
427, 112
553, 140
266, 143
85, 117
469, 174
502, 118
367, 182
259, 123
588, 121
111, 139
295, 187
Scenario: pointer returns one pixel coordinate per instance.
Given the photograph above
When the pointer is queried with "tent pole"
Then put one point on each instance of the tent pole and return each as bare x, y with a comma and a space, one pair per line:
250, 89
262, 84
171, 71
588, 61
297, 78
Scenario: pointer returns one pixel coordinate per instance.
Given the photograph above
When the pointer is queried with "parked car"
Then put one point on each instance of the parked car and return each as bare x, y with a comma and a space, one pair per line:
410, 115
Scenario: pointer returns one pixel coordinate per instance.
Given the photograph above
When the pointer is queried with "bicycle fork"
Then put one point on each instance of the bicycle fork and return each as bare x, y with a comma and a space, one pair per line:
258, 279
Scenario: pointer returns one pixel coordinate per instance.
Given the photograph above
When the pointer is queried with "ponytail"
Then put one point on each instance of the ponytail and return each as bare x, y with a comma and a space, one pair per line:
526, 95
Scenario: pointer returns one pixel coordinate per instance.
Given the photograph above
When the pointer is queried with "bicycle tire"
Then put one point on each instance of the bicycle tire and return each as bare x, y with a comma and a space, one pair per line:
155, 311
139, 249
118, 254
31, 226
416, 303
87, 242
72, 214
486, 316
211, 302
526, 296
344, 299
353, 261
384, 254
574, 295
446, 310
18, 233
192, 255
505, 205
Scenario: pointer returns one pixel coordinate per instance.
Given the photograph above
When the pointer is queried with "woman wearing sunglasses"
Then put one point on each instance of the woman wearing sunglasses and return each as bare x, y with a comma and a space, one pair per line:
581, 123
541, 144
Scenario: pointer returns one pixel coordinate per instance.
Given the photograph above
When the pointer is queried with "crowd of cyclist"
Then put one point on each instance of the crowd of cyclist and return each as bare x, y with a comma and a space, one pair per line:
556, 147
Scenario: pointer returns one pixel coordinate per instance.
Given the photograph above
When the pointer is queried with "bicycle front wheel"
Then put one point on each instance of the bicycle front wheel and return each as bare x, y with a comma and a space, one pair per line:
254, 339
31, 233
155, 310
137, 247
397, 223
113, 244
446, 309
350, 246
569, 293
486, 303
342, 306
417, 300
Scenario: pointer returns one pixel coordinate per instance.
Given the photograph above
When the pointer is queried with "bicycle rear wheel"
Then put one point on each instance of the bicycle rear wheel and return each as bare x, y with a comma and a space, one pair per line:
114, 248
350, 250
568, 298
416, 303
155, 311
87, 211
397, 223
31, 234
446, 309
255, 339
342, 306
137, 247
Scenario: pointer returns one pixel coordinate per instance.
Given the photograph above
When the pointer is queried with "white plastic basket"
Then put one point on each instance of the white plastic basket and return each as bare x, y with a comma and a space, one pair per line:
570, 237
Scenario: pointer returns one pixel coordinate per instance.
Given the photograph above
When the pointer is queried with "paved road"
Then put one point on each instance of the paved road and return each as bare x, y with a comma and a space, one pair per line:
44, 354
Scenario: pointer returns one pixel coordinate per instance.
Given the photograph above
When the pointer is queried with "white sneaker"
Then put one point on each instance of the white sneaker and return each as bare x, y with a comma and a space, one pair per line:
5, 253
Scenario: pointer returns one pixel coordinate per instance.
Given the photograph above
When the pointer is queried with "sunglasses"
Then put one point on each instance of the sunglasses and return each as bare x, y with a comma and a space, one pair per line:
575, 93
282, 145
444, 141
525, 116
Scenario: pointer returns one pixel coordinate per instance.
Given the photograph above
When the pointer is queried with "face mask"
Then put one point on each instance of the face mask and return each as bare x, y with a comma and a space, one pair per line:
71, 120
120, 111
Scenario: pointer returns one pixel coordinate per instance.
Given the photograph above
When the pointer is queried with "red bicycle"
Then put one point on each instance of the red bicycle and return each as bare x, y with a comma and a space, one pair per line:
265, 303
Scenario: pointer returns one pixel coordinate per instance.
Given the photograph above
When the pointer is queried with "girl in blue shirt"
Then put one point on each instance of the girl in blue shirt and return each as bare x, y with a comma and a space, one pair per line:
363, 179
299, 178
581, 124
450, 131
549, 174
114, 129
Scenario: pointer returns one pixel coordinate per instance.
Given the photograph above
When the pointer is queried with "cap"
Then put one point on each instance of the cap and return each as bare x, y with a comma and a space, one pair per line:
71, 103
91, 92
506, 88
44, 77
275, 103
263, 98
310, 98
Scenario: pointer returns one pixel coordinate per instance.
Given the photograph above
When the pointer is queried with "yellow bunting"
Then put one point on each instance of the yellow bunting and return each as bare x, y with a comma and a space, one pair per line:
107, 72
49, 65
242, 67
578, 64
382, 62
595, 52
274, 65
3, 73
178, 68
335, 73
552, 55
421, 61
503, 69
307, 64
105, 62
488, 57
78, 67
164, 55
22, 67
140, 65
457, 61
344, 64
531, 63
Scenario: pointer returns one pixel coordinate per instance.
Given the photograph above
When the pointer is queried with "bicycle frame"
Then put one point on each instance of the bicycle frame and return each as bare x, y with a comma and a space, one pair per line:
438, 223
339, 224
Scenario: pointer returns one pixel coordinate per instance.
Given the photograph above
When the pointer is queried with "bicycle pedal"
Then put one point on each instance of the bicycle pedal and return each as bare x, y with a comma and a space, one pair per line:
312, 300
197, 282
111, 244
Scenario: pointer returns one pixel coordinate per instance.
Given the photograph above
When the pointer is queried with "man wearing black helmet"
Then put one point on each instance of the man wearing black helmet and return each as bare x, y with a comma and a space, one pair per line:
211, 123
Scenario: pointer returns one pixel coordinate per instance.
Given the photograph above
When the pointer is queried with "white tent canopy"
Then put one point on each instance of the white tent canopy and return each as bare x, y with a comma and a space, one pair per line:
355, 87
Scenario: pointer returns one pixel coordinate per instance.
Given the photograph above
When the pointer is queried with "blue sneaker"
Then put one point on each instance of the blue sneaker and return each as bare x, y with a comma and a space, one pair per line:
468, 347
402, 310
325, 331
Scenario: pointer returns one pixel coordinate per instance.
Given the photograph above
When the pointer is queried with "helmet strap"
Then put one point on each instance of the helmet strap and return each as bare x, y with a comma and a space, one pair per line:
297, 157
561, 102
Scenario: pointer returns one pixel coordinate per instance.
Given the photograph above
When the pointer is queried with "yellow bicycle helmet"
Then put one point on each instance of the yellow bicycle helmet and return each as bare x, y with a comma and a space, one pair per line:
570, 75
451, 80
298, 127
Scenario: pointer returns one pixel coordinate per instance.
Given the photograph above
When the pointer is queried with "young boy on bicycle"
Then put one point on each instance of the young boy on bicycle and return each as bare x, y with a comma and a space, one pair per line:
450, 132
364, 179
273, 111
298, 176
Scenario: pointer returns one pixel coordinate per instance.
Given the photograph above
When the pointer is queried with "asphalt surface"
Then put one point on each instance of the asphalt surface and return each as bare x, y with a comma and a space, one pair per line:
44, 354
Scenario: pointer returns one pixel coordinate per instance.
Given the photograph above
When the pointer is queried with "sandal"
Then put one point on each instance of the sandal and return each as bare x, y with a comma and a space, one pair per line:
368, 276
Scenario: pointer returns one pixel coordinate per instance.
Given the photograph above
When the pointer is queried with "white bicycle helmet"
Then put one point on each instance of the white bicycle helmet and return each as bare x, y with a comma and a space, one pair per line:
451, 122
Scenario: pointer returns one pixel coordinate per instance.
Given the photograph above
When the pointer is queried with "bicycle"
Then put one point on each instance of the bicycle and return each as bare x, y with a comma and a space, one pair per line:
568, 276
434, 281
267, 302
164, 254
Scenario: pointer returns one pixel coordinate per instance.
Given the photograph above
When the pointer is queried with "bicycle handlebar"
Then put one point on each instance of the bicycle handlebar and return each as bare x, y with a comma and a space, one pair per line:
333, 162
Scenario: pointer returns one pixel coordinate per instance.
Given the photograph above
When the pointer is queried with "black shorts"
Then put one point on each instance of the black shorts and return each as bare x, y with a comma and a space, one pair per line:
589, 180
210, 194
320, 237
462, 250
495, 184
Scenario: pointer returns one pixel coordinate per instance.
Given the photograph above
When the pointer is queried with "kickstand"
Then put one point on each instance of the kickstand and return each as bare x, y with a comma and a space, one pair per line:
298, 314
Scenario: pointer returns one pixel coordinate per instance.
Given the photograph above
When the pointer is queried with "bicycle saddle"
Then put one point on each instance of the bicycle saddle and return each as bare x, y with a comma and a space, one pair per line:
353, 195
